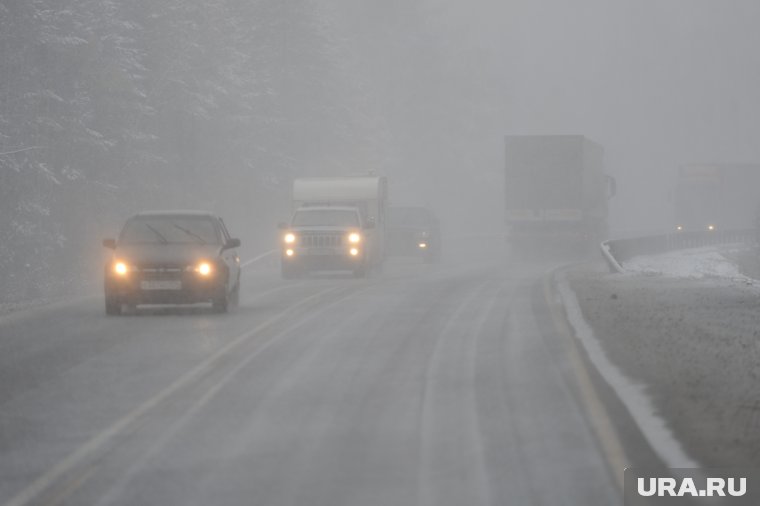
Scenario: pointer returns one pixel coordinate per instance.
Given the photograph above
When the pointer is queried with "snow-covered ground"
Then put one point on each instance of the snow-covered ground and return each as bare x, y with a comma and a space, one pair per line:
697, 263
686, 326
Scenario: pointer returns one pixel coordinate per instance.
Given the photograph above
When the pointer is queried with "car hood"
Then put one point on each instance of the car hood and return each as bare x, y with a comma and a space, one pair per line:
324, 229
166, 253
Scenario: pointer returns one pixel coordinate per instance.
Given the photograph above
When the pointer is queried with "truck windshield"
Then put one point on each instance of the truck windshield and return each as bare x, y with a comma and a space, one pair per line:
170, 230
325, 218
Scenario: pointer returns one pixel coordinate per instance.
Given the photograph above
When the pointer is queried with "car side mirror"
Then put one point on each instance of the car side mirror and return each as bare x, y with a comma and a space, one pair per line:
109, 243
282, 225
232, 243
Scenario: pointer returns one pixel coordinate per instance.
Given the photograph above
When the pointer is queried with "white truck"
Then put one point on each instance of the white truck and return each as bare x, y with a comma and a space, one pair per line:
338, 223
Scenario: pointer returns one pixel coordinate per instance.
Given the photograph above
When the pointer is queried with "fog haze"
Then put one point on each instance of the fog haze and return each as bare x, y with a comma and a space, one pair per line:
278, 333
220, 106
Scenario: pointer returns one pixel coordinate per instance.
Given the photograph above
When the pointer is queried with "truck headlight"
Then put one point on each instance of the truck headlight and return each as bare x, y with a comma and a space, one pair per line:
289, 252
290, 238
422, 245
354, 238
710, 227
353, 252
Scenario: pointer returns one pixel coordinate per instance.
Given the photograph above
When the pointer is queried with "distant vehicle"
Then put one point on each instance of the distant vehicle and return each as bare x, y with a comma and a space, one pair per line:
338, 223
718, 196
172, 257
325, 238
414, 231
556, 192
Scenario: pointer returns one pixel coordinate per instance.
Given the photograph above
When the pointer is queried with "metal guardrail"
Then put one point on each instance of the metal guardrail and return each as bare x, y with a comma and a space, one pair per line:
617, 252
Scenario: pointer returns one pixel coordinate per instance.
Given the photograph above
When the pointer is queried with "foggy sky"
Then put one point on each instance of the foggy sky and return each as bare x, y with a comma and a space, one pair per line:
657, 83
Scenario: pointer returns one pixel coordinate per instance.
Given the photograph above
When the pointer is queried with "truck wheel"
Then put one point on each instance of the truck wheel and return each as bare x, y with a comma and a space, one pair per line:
113, 306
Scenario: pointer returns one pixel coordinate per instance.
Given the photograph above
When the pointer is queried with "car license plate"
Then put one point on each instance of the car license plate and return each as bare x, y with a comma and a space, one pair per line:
161, 284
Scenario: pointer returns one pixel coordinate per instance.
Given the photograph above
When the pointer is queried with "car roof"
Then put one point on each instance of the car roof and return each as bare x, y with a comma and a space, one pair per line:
178, 213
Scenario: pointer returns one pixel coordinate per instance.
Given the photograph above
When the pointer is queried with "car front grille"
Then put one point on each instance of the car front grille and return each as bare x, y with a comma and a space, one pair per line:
321, 240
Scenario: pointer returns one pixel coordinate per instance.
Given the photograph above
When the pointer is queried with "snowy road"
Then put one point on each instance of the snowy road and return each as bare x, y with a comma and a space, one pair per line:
427, 385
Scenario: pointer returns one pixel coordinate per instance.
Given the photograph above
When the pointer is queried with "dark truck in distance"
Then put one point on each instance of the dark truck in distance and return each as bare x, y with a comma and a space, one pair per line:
414, 231
172, 257
556, 193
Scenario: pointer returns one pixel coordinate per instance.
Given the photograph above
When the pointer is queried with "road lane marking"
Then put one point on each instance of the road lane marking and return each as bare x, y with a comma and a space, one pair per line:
204, 399
258, 258
48, 479
72, 486
633, 396
597, 415
426, 492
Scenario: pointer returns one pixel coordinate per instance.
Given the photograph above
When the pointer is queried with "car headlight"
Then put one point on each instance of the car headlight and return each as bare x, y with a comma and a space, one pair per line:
679, 228
289, 238
354, 252
204, 269
710, 227
121, 268
354, 238
422, 245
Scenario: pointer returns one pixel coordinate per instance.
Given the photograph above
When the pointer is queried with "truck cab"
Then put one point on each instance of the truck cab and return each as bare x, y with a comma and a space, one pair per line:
325, 238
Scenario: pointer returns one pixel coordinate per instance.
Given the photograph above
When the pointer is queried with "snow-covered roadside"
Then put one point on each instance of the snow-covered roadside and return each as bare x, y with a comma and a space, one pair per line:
697, 263
631, 393
691, 337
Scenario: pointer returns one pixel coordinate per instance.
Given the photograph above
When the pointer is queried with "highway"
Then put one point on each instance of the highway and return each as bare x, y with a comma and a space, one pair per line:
424, 385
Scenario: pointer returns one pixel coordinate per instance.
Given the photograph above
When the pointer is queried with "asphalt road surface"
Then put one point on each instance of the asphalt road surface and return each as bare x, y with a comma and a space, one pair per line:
424, 385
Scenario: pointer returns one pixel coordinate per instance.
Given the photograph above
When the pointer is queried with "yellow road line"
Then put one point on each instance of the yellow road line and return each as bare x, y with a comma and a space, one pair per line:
46, 480
597, 414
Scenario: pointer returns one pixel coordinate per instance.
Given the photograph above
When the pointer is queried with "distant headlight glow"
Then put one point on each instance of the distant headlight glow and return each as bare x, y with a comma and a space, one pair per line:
423, 245
711, 227
353, 252
289, 252
354, 238
679, 227
290, 238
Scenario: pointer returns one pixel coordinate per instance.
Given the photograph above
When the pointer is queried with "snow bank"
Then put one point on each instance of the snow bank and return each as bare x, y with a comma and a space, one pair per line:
692, 263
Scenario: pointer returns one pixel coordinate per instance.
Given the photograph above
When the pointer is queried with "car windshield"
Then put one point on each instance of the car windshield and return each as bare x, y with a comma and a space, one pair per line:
409, 217
170, 230
326, 218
